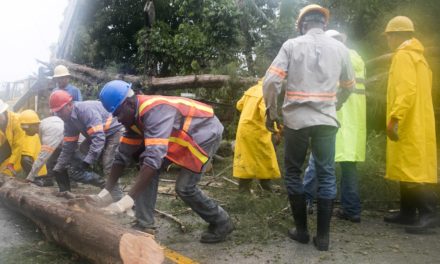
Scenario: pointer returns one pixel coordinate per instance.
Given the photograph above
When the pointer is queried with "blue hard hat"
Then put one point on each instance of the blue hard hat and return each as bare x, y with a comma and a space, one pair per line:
113, 94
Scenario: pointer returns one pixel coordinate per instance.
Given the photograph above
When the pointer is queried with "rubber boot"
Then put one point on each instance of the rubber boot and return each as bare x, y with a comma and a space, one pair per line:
217, 232
407, 214
62, 180
325, 210
266, 185
244, 185
426, 203
298, 206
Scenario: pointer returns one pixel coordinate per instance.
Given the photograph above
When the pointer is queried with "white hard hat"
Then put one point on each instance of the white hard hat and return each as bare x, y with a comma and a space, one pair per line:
336, 34
3, 106
60, 71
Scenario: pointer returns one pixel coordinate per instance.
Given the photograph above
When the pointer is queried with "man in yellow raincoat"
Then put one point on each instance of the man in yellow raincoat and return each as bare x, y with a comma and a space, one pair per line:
11, 136
254, 155
411, 144
30, 123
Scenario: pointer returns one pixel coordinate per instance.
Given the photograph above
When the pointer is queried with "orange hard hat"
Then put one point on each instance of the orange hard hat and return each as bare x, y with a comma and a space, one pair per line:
58, 99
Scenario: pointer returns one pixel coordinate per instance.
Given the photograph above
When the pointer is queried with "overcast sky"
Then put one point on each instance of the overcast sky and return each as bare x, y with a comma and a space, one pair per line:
27, 28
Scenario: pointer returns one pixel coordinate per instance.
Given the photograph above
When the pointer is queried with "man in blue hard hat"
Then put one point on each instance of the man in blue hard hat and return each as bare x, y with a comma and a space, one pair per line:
159, 128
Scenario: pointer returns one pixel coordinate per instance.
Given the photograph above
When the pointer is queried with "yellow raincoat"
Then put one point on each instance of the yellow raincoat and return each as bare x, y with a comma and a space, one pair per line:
13, 136
351, 136
254, 156
32, 147
413, 158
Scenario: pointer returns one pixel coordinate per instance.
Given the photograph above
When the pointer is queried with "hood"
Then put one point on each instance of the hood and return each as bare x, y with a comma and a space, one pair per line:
413, 45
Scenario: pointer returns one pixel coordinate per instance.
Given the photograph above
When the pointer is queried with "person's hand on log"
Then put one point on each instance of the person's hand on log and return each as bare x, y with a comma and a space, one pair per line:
101, 199
121, 206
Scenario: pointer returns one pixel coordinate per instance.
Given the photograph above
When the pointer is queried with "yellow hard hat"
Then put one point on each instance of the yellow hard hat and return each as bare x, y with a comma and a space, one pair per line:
310, 8
60, 71
29, 117
400, 24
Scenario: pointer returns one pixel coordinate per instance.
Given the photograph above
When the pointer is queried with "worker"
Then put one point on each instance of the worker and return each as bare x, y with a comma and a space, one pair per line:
254, 155
314, 64
61, 76
51, 132
30, 123
101, 130
11, 136
350, 144
411, 151
180, 130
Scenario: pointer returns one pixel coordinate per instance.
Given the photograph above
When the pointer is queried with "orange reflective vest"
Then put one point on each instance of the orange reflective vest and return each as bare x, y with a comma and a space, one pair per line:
182, 149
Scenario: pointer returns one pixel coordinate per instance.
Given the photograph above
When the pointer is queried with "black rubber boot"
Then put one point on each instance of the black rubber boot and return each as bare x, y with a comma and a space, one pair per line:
426, 203
62, 180
244, 185
217, 232
43, 181
298, 206
325, 210
266, 185
407, 214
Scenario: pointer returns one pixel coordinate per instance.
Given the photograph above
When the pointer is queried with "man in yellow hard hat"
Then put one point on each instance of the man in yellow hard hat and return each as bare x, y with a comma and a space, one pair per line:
313, 64
61, 76
411, 144
30, 123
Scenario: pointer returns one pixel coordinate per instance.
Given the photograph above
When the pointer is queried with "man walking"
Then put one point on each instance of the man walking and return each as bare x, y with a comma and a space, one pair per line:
314, 64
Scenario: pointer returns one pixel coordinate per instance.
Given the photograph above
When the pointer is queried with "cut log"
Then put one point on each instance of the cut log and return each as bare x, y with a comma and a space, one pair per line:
75, 225
167, 83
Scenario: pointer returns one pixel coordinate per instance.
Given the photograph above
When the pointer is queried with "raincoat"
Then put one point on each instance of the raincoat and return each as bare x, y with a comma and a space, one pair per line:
13, 136
31, 147
254, 155
351, 136
413, 158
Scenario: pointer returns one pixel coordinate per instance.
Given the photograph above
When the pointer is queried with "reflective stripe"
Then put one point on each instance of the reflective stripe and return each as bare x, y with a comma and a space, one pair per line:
95, 129
311, 96
277, 71
186, 102
136, 129
188, 119
108, 123
156, 141
191, 148
347, 84
71, 139
47, 148
131, 141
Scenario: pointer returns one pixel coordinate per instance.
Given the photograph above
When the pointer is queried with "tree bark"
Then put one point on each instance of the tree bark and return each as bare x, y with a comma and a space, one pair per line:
154, 83
77, 226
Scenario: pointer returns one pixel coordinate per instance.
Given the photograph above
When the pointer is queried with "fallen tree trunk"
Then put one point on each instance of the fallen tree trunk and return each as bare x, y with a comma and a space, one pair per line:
154, 83
77, 226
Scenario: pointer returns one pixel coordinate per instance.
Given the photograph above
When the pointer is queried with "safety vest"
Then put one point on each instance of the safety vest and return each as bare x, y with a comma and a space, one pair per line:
182, 149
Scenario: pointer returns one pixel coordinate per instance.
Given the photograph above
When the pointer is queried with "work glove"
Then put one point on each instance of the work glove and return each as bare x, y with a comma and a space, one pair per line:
392, 129
101, 199
10, 167
121, 206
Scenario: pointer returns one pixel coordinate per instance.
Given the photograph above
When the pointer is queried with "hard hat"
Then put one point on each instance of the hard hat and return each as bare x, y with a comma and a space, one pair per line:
336, 34
3, 106
58, 99
311, 8
114, 93
29, 117
60, 71
400, 24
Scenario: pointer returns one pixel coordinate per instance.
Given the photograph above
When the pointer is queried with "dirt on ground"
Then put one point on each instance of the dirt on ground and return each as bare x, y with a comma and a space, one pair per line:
261, 220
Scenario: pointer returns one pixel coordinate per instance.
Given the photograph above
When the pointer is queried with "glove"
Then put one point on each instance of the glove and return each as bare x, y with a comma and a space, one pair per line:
85, 166
10, 167
121, 206
392, 128
102, 199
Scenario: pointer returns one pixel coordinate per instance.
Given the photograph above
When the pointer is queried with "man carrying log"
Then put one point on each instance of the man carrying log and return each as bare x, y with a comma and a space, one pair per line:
101, 131
158, 128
